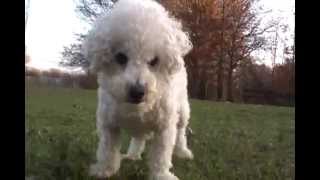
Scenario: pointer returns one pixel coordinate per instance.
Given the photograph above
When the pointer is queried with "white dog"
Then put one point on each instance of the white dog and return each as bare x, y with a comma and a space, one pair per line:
137, 52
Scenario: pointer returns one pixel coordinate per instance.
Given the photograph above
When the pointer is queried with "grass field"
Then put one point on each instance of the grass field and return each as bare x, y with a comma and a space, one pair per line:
230, 141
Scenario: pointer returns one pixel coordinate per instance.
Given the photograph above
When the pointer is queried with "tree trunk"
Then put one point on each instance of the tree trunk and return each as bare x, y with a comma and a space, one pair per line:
202, 93
230, 85
274, 54
220, 81
220, 63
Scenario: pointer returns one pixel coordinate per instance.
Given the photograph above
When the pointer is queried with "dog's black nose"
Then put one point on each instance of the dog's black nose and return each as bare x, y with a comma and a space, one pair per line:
136, 93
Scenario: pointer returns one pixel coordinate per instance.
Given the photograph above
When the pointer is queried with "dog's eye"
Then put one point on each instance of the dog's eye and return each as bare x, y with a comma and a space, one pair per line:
121, 58
154, 61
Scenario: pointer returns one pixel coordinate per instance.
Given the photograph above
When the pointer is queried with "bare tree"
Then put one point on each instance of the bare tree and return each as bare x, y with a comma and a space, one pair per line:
27, 11
244, 35
220, 72
88, 10
73, 56
200, 19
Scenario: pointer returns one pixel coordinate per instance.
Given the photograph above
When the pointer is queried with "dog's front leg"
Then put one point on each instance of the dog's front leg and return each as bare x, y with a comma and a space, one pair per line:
108, 153
160, 154
136, 148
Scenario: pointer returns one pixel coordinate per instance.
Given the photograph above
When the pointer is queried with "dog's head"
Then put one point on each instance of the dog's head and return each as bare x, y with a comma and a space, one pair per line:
136, 49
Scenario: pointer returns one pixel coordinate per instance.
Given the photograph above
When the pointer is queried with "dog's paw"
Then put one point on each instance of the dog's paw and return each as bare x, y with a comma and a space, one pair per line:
102, 171
163, 176
183, 153
131, 157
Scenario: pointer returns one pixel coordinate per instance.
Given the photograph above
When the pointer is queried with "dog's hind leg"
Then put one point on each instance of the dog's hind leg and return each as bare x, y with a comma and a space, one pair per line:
181, 149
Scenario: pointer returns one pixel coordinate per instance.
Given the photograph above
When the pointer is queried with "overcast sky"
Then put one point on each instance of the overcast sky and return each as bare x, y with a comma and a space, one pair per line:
52, 24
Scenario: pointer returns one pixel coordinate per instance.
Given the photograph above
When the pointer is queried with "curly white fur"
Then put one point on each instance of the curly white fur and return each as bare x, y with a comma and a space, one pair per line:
141, 30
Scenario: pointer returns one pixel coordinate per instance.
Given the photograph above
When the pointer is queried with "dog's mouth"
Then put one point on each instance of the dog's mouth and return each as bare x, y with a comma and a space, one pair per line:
135, 100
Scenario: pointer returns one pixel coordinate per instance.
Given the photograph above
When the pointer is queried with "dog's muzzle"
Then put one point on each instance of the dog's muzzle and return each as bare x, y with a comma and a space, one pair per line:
136, 93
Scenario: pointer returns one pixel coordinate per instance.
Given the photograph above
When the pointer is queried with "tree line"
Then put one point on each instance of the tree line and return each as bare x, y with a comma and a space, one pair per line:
58, 78
225, 34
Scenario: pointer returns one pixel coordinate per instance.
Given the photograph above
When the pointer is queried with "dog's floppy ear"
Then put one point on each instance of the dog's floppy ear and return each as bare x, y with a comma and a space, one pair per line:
180, 46
96, 50
183, 41
175, 64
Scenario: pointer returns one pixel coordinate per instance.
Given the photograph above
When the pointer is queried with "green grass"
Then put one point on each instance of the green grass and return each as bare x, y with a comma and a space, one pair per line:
230, 141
